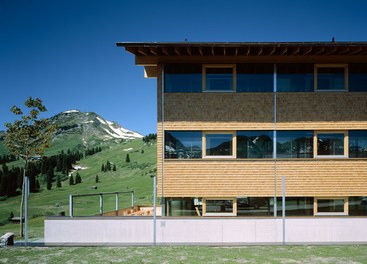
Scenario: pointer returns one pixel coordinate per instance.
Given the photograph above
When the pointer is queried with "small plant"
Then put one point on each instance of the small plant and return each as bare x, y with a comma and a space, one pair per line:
71, 180
114, 167
127, 158
97, 179
78, 179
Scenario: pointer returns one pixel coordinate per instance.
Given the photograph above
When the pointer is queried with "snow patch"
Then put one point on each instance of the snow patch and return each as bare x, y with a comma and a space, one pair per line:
128, 149
101, 120
70, 111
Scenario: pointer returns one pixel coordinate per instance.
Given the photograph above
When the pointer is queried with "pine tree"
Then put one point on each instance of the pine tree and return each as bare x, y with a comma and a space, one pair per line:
97, 179
58, 182
71, 180
38, 187
114, 167
50, 176
78, 179
108, 166
102, 167
142, 151
127, 157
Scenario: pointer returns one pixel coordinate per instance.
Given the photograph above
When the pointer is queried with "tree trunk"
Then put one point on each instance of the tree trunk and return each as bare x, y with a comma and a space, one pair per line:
21, 233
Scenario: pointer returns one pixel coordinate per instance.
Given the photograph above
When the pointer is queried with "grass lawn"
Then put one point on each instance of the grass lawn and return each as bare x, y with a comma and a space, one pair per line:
187, 254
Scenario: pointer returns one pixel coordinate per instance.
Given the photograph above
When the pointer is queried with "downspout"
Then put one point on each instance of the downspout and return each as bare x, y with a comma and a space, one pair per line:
275, 139
163, 202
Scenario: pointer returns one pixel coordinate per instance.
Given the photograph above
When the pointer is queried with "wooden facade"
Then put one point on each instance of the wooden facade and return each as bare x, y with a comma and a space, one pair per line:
231, 112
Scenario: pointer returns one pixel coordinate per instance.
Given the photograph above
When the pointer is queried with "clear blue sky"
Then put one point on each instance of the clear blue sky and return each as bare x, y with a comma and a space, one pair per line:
64, 51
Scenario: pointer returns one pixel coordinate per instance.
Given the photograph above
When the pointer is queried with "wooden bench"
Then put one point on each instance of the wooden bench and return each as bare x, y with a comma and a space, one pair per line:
7, 240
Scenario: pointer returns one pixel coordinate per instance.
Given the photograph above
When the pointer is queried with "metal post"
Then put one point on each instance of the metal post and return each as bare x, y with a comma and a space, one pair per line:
101, 204
132, 200
71, 205
26, 196
117, 203
275, 139
163, 203
155, 210
283, 207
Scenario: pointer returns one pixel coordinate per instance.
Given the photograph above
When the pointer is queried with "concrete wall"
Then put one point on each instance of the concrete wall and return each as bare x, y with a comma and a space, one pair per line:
131, 230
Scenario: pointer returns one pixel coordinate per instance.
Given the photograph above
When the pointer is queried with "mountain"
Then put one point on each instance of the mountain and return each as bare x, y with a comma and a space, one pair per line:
86, 129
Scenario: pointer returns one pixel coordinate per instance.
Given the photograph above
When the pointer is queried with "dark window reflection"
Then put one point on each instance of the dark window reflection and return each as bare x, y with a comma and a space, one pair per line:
255, 77
357, 77
358, 144
296, 206
295, 77
219, 206
219, 79
294, 144
183, 145
183, 78
330, 144
219, 144
330, 205
358, 205
330, 78
254, 144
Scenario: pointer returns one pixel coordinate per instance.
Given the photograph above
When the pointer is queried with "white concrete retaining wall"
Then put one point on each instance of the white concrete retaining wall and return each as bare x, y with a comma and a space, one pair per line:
128, 230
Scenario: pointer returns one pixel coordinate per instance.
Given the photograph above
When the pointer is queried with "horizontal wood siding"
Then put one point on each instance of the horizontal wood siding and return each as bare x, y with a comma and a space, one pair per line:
234, 178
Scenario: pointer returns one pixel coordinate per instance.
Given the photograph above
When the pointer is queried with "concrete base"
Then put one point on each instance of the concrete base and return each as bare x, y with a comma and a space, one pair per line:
208, 231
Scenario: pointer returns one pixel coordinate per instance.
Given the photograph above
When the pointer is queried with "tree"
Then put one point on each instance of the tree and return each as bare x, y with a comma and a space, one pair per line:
127, 157
108, 166
97, 179
71, 180
102, 167
28, 138
78, 179
142, 151
58, 182
50, 176
114, 167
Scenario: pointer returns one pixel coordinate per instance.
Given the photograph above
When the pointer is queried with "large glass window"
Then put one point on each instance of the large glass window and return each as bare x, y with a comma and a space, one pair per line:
183, 144
183, 78
358, 205
254, 144
219, 144
293, 77
219, 78
294, 144
330, 206
358, 144
330, 144
254, 206
255, 77
296, 206
184, 207
331, 77
219, 206
357, 77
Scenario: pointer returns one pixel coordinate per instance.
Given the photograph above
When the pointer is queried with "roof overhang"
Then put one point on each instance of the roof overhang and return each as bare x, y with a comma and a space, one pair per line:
150, 54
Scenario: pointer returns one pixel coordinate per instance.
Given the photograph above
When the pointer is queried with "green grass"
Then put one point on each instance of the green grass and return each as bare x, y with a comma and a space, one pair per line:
129, 176
187, 254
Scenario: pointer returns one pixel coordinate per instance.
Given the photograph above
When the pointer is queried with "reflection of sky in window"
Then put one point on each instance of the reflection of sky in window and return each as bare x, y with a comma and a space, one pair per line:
286, 136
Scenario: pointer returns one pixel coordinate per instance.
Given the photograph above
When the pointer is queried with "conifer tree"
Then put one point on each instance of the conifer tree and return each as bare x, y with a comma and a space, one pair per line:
38, 187
50, 176
127, 157
58, 182
108, 166
71, 180
97, 179
102, 167
78, 179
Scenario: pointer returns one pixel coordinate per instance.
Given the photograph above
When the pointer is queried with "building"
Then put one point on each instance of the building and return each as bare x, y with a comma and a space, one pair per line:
236, 117
233, 120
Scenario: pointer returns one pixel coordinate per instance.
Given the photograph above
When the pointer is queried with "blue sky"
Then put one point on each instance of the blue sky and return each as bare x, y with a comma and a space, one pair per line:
64, 51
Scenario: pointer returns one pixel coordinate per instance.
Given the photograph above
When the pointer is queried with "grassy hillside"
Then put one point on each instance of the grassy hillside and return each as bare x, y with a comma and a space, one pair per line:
134, 175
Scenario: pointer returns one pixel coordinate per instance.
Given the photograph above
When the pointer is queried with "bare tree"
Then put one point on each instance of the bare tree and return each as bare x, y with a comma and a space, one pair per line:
28, 138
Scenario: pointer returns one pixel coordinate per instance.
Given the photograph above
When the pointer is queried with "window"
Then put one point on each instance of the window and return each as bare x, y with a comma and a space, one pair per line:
183, 144
254, 206
331, 77
357, 144
219, 144
331, 206
357, 77
358, 205
255, 77
292, 77
331, 144
296, 206
294, 144
183, 206
182, 78
219, 207
219, 78
254, 144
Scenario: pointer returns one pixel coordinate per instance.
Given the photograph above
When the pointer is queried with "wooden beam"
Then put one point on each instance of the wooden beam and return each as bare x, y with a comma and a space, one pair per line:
320, 51
236, 52
201, 51
165, 51
177, 51
308, 51
272, 51
284, 51
188, 49
224, 51
345, 51
296, 51
260, 51
154, 51
142, 51
357, 51
248, 51
332, 51
213, 51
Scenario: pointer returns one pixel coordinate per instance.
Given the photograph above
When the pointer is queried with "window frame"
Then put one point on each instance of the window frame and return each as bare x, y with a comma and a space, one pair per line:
234, 206
234, 145
344, 213
219, 66
346, 83
174, 131
345, 144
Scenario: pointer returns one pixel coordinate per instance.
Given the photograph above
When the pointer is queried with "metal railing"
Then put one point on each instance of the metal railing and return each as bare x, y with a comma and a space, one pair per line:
72, 196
